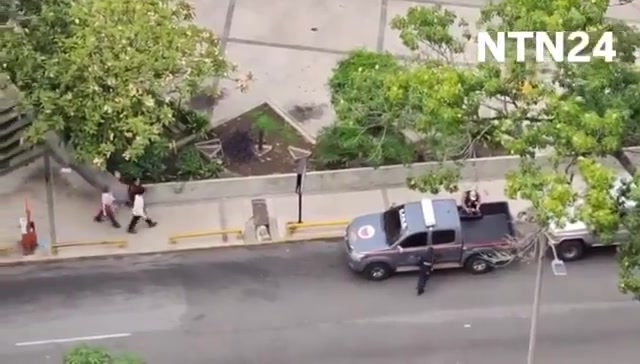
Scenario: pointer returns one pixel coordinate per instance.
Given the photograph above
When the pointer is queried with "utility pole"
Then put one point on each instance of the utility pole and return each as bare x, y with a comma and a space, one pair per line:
48, 180
301, 172
536, 303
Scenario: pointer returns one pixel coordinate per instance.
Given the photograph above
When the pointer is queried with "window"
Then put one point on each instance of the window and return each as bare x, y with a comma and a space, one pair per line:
415, 241
392, 224
443, 237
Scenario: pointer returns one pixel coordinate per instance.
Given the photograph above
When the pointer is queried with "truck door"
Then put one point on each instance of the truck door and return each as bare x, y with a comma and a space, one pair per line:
410, 249
446, 246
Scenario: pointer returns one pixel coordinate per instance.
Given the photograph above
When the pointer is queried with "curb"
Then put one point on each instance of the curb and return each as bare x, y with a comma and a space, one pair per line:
56, 259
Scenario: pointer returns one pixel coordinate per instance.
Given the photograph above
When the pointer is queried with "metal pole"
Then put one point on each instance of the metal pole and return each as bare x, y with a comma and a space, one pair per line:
536, 304
48, 179
300, 207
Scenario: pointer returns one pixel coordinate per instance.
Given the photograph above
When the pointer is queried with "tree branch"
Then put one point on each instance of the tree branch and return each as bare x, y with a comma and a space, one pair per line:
625, 161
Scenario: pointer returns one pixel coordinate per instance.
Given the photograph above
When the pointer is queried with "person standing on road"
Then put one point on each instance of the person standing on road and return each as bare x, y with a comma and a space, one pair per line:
425, 263
139, 212
107, 208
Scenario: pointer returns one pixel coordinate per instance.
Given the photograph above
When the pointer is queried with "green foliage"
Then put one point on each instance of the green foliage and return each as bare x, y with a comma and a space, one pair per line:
346, 146
430, 27
95, 355
160, 163
580, 113
361, 135
266, 124
150, 166
94, 70
192, 165
441, 179
195, 122
356, 67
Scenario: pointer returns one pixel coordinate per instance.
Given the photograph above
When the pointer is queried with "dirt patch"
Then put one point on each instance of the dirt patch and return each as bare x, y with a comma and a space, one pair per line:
241, 138
306, 112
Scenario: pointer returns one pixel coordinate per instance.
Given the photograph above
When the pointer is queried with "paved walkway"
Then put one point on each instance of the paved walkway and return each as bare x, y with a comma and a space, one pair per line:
297, 56
291, 46
74, 210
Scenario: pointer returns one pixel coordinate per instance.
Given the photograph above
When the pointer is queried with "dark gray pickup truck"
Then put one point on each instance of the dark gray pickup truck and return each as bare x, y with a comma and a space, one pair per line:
378, 245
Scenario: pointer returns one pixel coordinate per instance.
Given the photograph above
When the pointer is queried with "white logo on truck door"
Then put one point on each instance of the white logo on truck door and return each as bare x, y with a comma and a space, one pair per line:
366, 232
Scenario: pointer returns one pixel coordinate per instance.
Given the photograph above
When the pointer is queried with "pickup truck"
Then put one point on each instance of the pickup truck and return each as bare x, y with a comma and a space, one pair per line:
378, 245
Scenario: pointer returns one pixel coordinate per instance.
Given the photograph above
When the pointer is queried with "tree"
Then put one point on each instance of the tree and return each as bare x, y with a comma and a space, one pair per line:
103, 73
577, 113
95, 355
361, 136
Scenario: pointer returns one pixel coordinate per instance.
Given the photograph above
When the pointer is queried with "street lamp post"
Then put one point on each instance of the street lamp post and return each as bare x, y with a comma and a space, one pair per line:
536, 304
50, 200
559, 269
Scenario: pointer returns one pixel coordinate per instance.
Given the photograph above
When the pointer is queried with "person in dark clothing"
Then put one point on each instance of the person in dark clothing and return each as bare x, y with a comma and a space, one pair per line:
133, 190
425, 263
471, 202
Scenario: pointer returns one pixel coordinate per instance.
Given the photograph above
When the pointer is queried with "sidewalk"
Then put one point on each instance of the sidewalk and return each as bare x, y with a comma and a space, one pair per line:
74, 212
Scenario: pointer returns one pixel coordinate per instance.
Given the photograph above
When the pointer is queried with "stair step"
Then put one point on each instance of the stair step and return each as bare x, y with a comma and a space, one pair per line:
9, 140
10, 126
21, 160
13, 152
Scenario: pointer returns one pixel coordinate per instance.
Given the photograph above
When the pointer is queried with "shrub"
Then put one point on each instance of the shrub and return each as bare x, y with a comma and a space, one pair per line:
358, 63
196, 122
344, 146
192, 165
95, 355
151, 165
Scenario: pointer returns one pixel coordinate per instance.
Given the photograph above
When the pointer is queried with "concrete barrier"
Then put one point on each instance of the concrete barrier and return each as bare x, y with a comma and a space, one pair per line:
358, 179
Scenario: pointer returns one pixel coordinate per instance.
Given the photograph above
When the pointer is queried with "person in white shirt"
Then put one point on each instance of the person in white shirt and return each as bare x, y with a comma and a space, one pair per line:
139, 212
107, 208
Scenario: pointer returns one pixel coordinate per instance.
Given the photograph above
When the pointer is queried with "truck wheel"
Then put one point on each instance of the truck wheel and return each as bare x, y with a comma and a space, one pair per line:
570, 250
378, 271
477, 265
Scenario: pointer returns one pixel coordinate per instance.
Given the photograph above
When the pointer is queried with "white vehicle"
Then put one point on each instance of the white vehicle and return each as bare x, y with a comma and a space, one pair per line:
575, 238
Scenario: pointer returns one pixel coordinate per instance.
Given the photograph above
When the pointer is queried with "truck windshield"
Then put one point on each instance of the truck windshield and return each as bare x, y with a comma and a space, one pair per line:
392, 223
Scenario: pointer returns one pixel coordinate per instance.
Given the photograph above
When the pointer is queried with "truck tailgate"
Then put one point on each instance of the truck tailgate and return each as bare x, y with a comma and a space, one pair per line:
488, 229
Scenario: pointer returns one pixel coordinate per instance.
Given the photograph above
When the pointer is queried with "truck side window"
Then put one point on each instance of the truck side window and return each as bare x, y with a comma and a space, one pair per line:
443, 237
415, 241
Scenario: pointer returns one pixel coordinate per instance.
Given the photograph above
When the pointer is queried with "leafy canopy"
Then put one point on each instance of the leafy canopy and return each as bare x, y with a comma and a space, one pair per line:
578, 114
100, 72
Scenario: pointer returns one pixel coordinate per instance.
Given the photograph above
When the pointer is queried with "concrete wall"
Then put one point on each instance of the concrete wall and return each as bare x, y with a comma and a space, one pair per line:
88, 180
330, 181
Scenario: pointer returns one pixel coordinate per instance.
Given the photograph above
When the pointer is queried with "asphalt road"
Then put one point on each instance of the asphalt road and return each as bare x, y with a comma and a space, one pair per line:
299, 304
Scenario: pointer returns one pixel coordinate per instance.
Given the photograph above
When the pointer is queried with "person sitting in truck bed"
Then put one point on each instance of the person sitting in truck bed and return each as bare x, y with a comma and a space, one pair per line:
471, 202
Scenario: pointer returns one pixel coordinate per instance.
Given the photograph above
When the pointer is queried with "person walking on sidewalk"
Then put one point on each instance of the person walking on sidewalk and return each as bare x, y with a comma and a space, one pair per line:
425, 263
107, 208
139, 212
133, 189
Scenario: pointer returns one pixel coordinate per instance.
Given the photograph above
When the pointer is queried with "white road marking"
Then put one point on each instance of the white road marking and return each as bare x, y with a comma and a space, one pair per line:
72, 339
